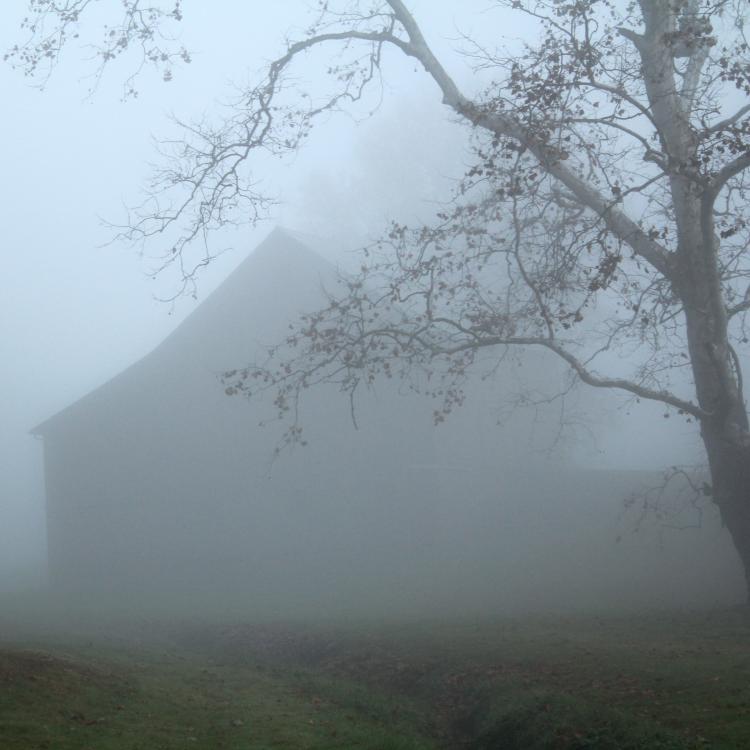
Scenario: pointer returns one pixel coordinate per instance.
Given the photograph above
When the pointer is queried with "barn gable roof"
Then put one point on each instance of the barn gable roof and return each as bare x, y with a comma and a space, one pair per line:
251, 308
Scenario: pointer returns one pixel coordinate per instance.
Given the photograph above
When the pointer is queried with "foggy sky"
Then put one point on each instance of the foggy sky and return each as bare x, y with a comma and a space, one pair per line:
74, 312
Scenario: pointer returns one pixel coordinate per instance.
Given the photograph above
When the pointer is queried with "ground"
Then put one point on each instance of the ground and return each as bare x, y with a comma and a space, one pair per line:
667, 681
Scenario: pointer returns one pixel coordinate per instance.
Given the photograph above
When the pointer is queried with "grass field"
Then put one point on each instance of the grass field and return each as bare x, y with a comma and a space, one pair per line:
666, 681
108, 700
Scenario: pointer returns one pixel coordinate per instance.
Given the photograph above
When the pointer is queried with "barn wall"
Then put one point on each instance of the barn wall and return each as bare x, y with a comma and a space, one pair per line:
159, 481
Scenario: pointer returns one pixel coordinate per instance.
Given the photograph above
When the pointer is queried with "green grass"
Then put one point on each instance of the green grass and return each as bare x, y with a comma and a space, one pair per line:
676, 681
142, 700
539, 721
679, 680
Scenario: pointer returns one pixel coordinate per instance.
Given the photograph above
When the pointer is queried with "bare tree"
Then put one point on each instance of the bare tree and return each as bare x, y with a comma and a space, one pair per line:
606, 210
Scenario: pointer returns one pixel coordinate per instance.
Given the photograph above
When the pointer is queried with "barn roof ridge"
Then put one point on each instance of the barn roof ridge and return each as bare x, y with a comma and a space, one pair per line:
279, 240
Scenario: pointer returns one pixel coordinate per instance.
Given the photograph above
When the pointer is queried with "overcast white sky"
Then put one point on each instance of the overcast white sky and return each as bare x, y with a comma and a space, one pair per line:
74, 313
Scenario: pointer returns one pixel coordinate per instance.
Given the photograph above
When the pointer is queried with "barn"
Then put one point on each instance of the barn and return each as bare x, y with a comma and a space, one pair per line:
157, 476
158, 481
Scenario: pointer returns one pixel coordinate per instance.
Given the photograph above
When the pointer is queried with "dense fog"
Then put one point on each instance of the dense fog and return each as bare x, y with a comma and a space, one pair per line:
126, 469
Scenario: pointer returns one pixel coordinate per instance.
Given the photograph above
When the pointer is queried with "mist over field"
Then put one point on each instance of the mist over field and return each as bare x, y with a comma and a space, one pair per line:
496, 508
372, 375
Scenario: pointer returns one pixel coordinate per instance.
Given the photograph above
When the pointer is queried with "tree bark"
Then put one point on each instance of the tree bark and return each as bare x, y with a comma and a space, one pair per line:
730, 476
718, 390
724, 432
695, 276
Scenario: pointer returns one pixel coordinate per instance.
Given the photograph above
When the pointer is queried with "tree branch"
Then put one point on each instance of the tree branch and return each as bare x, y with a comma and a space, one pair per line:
588, 377
504, 125
723, 124
726, 173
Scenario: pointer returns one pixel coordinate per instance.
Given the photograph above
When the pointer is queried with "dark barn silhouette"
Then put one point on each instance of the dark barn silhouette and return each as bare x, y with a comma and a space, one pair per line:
159, 481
